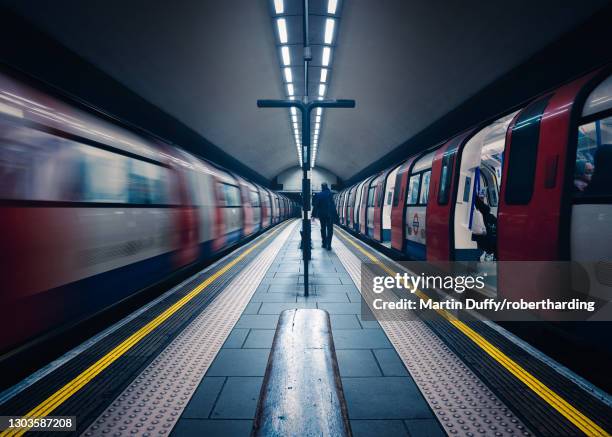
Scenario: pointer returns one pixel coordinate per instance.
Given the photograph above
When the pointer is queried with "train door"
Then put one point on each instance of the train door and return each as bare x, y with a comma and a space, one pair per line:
349, 206
415, 215
441, 200
357, 206
363, 205
479, 175
255, 207
386, 209
378, 205
399, 204
591, 204
351, 210
480, 170
371, 205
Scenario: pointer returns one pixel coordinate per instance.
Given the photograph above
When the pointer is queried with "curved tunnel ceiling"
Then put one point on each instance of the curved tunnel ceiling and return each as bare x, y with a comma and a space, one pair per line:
207, 62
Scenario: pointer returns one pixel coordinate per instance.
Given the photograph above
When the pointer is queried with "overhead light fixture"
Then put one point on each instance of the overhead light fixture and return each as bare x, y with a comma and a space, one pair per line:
331, 6
323, 75
329, 30
317, 125
326, 56
279, 6
318, 119
282, 30
290, 89
294, 118
322, 89
295, 125
319, 111
292, 98
285, 55
288, 75
293, 110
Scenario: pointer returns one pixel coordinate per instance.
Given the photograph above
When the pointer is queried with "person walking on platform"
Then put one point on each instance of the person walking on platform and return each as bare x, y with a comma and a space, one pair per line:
324, 209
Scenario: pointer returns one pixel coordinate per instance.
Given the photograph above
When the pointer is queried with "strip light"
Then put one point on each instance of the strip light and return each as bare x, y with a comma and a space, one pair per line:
282, 30
286, 55
331, 6
279, 6
329, 30
326, 56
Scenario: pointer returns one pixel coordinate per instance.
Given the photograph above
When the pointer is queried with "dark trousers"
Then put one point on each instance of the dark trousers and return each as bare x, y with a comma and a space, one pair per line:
327, 231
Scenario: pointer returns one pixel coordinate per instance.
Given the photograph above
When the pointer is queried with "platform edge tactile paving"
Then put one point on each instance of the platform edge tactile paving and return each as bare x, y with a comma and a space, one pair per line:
462, 403
152, 404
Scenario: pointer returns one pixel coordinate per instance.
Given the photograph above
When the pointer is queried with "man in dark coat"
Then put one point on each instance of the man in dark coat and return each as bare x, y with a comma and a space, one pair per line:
324, 208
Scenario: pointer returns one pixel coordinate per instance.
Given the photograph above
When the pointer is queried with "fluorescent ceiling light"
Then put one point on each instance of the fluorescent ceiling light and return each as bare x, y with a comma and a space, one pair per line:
329, 30
323, 75
319, 111
331, 6
322, 89
318, 118
326, 56
285, 55
294, 118
293, 110
279, 6
282, 30
295, 125
292, 98
290, 89
317, 125
288, 74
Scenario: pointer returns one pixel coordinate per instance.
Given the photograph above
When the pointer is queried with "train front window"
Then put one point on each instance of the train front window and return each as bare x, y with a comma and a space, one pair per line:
593, 169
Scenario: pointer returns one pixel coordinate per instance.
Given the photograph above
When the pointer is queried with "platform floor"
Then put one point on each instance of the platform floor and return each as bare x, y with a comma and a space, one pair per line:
192, 362
225, 401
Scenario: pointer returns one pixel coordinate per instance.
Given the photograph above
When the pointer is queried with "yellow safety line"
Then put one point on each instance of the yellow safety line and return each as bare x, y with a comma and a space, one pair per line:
60, 396
585, 424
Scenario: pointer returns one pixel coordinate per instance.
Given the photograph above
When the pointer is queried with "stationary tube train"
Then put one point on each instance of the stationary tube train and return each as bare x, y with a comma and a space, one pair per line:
545, 173
91, 212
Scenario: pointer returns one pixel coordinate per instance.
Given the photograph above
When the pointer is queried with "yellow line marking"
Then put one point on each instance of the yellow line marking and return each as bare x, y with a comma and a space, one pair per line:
581, 421
60, 396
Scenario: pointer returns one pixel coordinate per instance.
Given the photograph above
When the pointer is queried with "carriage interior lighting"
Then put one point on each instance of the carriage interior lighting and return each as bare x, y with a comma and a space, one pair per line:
294, 118
329, 30
325, 57
290, 89
285, 55
288, 75
279, 6
331, 6
282, 30
322, 89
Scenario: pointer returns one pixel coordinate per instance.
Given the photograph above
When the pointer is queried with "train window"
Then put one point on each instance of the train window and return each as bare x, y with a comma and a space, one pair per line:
389, 197
146, 183
397, 189
255, 199
446, 178
371, 196
231, 195
425, 187
104, 176
593, 170
523, 154
413, 189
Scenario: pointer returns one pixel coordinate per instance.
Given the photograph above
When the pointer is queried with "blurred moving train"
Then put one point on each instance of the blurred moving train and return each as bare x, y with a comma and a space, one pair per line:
92, 212
544, 170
